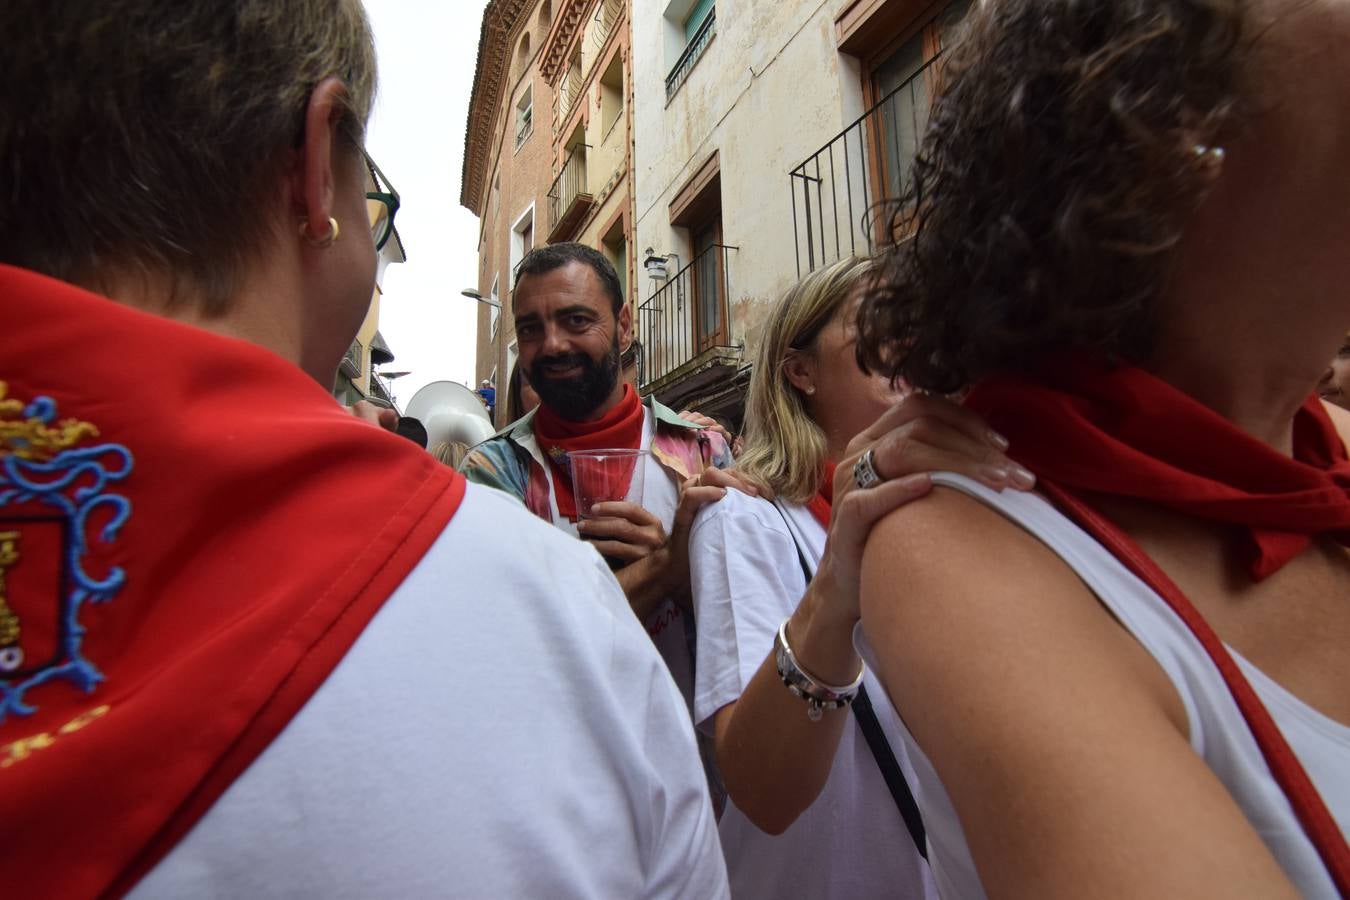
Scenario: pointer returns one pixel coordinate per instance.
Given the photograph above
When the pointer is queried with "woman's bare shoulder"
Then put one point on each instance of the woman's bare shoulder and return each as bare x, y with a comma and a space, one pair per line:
951, 538
1023, 691
950, 564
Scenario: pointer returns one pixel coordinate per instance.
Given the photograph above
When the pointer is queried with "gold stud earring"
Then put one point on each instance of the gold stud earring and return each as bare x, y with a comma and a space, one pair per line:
325, 241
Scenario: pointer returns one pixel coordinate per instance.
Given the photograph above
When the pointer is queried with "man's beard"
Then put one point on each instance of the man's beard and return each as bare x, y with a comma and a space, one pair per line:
576, 399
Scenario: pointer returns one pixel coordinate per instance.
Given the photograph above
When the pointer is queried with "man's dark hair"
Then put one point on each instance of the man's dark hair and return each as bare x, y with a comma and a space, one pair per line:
542, 260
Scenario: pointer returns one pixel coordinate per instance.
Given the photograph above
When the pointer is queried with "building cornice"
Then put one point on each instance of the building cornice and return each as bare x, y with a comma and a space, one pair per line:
499, 22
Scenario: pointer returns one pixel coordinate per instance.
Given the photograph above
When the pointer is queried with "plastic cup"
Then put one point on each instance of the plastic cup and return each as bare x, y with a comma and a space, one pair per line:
600, 476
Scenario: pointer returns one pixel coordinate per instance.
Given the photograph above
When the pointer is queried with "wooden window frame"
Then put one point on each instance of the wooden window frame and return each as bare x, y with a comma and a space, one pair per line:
695, 206
873, 31
627, 228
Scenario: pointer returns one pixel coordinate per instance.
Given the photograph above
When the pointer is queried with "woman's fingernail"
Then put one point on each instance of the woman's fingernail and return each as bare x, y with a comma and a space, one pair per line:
997, 439
1023, 478
999, 474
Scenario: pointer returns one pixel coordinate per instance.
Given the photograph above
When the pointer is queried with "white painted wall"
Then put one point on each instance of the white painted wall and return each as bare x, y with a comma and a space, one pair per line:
770, 90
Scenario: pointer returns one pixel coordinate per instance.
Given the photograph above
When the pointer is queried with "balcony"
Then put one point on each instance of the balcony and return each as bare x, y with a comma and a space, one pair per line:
836, 192
568, 200
569, 93
351, 361
685, 328
692, 52
380, 393
607, 15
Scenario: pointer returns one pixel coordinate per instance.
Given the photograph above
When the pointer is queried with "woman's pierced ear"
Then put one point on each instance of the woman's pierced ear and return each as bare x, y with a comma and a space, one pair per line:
325, 241
791, 354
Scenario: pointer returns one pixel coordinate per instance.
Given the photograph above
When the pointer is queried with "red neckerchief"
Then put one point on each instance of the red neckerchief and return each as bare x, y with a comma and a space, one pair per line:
820, 504
1084, 429
1124, 433
219, 532
618, 429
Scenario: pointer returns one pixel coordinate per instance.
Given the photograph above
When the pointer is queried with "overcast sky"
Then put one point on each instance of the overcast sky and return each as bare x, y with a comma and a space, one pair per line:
427, 53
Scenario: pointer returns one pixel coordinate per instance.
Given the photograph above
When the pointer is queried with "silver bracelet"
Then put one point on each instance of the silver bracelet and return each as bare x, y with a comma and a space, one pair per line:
818, 695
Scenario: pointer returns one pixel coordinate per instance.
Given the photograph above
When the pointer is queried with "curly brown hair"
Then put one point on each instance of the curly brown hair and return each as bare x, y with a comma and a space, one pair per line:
1061, 162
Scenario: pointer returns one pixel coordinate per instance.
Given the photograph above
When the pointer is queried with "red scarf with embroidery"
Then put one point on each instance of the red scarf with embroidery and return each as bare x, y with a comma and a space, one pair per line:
192, 535
821, 504
1086, 429
618, 429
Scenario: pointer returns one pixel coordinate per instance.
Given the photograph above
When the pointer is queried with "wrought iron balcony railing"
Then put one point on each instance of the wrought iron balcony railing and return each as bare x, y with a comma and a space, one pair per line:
687, 317
606, 17
569, 96
351, 361
569, 198
836, 191
691, 54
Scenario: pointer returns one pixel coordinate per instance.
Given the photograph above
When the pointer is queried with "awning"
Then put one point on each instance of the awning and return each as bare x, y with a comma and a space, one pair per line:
380, 354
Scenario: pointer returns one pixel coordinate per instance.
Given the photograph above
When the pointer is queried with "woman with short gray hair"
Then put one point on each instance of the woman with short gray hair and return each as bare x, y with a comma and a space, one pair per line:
251, 645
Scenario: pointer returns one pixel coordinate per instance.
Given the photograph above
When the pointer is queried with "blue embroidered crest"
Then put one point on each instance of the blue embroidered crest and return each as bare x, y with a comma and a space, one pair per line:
52, 492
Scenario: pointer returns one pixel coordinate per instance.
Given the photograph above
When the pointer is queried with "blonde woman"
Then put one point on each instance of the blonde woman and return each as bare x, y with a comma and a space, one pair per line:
810, 811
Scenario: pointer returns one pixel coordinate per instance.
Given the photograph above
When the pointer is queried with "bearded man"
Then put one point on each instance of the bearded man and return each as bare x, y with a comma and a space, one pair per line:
572, 327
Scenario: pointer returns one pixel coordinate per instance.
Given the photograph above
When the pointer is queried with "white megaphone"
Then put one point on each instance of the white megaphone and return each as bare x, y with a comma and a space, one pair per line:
451, 413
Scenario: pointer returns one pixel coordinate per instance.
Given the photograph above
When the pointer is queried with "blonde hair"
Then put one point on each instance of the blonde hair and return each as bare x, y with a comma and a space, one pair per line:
784, 447
150, 135
451, 453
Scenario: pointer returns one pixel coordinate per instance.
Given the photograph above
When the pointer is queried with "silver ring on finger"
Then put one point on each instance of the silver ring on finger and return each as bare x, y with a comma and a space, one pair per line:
865, 471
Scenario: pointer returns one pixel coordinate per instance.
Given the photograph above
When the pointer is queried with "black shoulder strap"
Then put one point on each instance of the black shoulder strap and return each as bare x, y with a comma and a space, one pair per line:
876, 739
890, 770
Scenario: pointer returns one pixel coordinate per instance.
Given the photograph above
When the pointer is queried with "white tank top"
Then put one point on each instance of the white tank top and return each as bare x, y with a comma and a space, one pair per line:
1218, 732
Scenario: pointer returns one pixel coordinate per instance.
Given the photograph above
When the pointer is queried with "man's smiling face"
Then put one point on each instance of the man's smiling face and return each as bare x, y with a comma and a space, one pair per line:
569, 338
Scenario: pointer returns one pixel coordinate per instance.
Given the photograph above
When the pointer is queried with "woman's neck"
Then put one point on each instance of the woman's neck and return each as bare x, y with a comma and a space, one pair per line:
1259, 399
261, 318
1245, 340
1255, 309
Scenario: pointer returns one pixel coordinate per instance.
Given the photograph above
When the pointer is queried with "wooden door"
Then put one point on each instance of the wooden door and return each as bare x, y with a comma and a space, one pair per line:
708, 285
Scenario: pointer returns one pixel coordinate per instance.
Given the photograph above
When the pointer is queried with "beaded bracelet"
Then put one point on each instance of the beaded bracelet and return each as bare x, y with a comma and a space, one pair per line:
818, 695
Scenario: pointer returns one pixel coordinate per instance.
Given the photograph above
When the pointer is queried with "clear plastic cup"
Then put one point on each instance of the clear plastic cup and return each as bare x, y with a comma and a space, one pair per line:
599, 476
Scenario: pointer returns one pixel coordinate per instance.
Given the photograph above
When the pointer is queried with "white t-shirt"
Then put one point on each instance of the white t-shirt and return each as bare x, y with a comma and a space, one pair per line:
1218, 732
851, 842
500, 729
667, 625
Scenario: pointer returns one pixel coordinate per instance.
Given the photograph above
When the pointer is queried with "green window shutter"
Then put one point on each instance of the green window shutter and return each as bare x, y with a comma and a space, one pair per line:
696, 17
